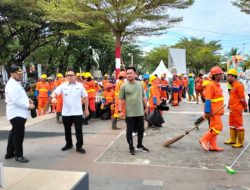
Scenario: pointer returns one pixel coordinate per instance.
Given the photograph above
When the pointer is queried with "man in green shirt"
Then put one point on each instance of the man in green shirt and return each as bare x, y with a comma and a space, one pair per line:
132, 93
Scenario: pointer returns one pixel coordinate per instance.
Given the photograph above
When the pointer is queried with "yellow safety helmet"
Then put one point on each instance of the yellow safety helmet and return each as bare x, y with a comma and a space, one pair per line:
190, 75
83, 74
78, 74
151, 78
87, 75
106, 75
59, 75
232, 72
44, 76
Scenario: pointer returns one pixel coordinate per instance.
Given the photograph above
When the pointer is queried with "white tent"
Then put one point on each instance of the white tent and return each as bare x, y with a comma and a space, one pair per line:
161, 69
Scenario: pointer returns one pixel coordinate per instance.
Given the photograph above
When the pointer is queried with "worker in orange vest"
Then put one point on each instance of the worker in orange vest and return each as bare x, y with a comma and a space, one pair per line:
154, 93
90, 86
119, 83
185, 86
198, 88
163, 87
175, 91
237, 104
108, 97
214, 102
42, 94
181, 86
105, 81
59, 99
52, 85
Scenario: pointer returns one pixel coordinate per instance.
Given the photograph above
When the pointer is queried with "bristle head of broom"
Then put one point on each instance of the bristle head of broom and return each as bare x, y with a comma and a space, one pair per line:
230, 170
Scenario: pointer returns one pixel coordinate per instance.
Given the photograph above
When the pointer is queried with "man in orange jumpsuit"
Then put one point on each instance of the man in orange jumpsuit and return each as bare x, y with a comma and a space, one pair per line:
59, 100
90, 86
214, 101
198, 88
154, 93
108, 97
52, 86
175, 91
237, 104
118, 85
105, 81
181, 86
185, 86
42, 94
164, 86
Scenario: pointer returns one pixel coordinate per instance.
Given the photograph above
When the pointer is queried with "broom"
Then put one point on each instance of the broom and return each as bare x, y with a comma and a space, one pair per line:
229, 169
198, 122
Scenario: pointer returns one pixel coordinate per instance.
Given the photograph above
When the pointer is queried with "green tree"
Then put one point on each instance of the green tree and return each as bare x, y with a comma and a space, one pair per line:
199, 54
127, 18
153, 57
244, 5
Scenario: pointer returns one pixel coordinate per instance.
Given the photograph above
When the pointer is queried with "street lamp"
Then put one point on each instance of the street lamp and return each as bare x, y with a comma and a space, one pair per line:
132, 59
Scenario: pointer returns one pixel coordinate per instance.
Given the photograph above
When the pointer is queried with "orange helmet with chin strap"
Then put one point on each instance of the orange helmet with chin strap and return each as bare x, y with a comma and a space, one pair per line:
216, 70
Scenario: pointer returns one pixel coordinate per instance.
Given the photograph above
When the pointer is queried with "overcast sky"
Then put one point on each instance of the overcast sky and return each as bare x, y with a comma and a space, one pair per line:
209, 19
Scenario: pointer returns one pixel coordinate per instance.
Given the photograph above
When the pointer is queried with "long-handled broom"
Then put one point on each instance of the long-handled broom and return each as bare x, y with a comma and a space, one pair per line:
230, 169
197, 123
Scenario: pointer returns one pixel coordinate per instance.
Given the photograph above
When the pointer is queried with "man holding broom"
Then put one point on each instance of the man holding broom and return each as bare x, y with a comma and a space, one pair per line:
214, 101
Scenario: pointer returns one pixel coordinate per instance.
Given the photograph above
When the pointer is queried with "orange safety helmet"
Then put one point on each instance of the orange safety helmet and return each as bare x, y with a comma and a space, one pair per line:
216, 70
122, 74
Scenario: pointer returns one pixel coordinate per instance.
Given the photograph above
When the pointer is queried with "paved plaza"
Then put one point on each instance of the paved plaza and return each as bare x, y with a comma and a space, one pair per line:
184, 165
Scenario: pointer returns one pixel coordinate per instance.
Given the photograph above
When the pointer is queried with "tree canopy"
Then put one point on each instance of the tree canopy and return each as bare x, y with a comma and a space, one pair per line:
244, 5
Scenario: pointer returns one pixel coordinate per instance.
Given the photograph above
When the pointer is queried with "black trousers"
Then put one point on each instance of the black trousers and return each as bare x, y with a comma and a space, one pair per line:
77, 121
135, 124
16, 136
249, 103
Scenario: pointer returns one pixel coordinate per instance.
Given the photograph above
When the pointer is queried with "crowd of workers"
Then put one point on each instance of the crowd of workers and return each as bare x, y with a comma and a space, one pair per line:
103, 96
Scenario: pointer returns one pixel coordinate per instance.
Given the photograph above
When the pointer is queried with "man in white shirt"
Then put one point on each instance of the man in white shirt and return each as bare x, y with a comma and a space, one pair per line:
74, 95
17, 112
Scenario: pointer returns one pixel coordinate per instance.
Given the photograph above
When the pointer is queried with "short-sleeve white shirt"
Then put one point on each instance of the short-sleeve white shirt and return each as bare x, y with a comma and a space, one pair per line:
16, 99
72, 98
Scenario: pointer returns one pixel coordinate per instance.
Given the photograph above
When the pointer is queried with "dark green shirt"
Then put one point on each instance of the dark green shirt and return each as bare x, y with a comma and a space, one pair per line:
133, 94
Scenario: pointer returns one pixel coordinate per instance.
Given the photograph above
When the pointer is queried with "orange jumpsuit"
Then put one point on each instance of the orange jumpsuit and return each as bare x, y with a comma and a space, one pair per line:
215, 95
117, 91
43, 89
181, 88
59, 98
237, 104
154, 94
164, 84
198, 88
104, 83
185, 85
214, 102
175, 92
91, 90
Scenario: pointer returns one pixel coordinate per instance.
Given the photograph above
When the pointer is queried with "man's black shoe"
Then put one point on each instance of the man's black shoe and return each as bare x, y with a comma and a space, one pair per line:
132, 151
21, 159
142, 148
9, 156
80, 150
66, 147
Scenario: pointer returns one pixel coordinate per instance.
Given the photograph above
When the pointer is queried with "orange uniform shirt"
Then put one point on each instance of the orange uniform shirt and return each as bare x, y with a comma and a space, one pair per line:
214, 93
109, 96
237, 97
43, 88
